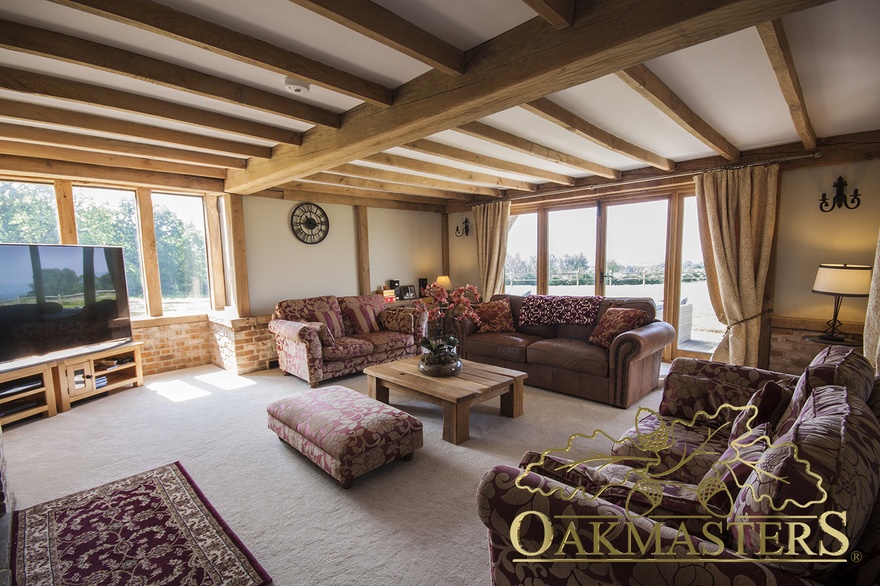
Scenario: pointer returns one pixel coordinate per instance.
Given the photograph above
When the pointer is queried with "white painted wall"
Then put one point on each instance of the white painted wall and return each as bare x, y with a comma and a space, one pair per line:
807, 237
281, 267
463, 268
404, 245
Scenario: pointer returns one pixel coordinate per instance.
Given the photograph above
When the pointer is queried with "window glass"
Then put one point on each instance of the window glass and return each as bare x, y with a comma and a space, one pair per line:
28, 213
108, 217
572, 243
521, 266
636, 250
698, 327
180, 243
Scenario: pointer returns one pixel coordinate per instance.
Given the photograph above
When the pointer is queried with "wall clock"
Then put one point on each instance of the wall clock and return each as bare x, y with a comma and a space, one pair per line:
309, 223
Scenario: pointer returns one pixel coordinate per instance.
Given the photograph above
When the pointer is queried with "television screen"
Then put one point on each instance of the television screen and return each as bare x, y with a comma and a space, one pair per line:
59, 297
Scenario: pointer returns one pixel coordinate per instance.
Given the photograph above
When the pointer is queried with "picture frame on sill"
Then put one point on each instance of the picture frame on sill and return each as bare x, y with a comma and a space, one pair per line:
407, 292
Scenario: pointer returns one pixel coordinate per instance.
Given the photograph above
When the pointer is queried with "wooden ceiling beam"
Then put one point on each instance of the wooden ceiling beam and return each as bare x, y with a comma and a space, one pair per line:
559, 13
356, 192
462, 190
776, 44
382, 25
430, 147
54, 87
185, 28
371, 202
360, 183
522, 145
553, 112
113, 146
70, 118
24, 149
35, 41
452, 173
52, 169
652, 88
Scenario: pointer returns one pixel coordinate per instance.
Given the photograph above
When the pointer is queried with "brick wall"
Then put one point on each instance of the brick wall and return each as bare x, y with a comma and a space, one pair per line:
173, 343
242, 345
789, 351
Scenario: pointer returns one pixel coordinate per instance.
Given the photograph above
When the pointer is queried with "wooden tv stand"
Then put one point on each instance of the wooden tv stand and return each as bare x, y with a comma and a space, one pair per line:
25, 392
86, 375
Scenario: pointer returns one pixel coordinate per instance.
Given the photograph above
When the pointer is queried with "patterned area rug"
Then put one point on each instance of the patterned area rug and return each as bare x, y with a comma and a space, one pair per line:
151, 528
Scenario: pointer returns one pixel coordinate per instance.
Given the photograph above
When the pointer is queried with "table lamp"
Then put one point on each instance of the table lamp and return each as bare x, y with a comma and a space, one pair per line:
444, 281
841, 280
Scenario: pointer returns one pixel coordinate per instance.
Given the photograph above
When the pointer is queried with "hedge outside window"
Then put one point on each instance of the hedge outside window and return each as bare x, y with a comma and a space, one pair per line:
521, 265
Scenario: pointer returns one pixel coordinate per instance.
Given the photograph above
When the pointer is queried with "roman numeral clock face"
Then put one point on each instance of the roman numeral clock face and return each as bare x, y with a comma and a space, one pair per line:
309, 223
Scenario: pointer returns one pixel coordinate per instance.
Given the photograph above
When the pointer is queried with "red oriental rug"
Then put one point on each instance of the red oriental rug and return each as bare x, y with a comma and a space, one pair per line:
151, 528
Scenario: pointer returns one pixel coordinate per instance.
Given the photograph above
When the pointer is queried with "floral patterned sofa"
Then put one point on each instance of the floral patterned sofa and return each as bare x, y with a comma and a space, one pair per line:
605, 349
776, 477
320, 338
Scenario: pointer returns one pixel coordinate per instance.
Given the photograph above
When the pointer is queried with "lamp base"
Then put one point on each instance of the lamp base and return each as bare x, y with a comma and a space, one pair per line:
831, 338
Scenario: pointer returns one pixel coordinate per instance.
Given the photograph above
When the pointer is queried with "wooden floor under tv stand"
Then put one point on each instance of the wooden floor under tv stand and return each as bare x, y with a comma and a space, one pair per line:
78, 377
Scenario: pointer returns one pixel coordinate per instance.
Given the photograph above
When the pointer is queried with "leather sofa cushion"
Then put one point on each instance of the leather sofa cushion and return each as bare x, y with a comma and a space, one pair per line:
570, 355
506, 346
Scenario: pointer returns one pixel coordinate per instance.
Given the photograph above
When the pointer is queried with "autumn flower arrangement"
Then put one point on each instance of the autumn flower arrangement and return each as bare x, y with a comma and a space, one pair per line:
439, 354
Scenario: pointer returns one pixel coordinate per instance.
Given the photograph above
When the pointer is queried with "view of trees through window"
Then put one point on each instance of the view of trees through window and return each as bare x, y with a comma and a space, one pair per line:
28, 213
572, 242
521, 267
183, 259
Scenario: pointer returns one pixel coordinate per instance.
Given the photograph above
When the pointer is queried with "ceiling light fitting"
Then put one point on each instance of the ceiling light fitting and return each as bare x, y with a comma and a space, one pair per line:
840, 198
296, 86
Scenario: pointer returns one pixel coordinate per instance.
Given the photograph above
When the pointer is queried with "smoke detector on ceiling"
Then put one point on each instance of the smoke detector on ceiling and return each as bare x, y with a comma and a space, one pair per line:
296, 86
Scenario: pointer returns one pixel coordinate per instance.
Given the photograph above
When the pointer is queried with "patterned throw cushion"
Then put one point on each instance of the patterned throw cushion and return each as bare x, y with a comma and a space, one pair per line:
559, 309
769, 403
721, 485
614, 322
332, 319
327, 339
363, 318
495, 316
685, 395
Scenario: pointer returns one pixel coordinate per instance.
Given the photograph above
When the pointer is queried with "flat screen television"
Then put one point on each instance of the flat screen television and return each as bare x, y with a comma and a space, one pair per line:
60, 298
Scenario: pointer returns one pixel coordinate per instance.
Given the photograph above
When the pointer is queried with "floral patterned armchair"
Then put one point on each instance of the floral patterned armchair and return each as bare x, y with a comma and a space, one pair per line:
758, 470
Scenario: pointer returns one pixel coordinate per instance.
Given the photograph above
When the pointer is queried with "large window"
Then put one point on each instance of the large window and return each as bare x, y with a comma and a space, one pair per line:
521, 266
572, 248
109, 217
28, 213
698, 327
636, 250
180, 245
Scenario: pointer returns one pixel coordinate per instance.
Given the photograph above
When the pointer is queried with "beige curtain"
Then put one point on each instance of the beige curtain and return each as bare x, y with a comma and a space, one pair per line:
737, 213
872, 320
490, 225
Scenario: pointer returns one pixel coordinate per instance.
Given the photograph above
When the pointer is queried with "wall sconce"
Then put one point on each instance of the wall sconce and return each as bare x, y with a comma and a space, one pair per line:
839, 200
464, 229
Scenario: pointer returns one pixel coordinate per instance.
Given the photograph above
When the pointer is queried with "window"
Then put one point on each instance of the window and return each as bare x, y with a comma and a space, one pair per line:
180, 245
521, 265
636, 250
109, 217
572, 244
698, 327
28, 213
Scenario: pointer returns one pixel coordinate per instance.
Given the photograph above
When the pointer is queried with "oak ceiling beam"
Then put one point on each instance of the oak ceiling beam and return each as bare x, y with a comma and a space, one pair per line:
35, 41
430, 147
357, 192
559, 13
460, 189
372, 202
522, 145
452, 173
382, 25
24, 149
776, 44
70, 118
54, 87
652, 88
520, 65
360, 183
79, 141
51, 169
185, 28
553, 112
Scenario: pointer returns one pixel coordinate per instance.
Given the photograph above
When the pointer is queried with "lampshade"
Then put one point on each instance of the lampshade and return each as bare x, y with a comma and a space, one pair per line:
444, 281
843, 280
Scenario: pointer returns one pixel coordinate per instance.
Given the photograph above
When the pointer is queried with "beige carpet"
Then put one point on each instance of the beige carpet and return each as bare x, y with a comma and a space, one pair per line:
406, 523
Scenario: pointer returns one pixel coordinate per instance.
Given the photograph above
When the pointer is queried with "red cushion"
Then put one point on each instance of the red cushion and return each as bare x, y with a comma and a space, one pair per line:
495, 316
363, 318
614, 322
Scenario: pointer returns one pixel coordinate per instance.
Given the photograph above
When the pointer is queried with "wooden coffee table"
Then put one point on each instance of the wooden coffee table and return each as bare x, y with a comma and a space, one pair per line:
474, 384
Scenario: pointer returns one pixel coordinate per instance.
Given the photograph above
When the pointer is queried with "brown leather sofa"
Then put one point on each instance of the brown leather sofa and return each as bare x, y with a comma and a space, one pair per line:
558, 357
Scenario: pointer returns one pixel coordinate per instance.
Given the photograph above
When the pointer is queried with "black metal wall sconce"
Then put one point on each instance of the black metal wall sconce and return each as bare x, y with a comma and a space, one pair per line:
464, 229
840, 198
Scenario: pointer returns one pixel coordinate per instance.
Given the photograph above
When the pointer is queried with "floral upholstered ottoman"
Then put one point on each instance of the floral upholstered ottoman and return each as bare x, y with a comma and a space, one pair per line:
345, 432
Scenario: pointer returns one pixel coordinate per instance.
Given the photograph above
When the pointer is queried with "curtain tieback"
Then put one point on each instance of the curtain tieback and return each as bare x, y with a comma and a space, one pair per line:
744, 320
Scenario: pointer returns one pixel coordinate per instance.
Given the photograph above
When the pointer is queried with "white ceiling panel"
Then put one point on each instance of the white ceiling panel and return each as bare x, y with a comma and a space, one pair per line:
404, 152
